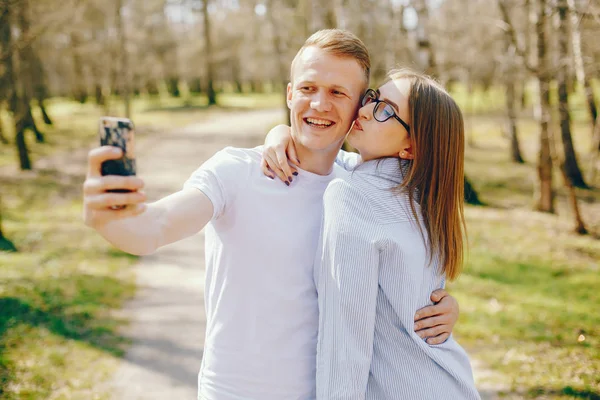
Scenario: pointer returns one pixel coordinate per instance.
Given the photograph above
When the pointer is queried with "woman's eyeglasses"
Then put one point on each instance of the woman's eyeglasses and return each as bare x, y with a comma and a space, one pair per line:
383, 110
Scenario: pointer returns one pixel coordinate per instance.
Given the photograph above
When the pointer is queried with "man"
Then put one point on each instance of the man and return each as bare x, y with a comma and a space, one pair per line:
261, 236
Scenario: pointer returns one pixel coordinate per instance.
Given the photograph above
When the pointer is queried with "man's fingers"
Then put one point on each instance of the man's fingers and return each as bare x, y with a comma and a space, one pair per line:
432, 332
100, 154
129, 211
438, 295
111, 182
107, 200
439, 339
430, 322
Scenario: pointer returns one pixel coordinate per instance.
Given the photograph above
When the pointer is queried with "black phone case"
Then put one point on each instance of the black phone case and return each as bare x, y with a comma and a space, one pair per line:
118, 132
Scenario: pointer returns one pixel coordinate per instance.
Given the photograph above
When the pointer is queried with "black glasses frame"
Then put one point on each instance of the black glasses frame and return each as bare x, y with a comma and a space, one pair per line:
373, 96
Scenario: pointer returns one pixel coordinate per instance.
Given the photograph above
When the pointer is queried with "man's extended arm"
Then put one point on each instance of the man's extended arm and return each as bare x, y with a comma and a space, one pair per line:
139, 228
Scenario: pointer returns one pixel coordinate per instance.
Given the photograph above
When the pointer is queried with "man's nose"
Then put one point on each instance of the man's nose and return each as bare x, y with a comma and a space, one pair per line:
320, 102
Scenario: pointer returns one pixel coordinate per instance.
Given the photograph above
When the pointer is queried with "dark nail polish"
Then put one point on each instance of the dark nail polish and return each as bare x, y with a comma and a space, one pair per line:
270, 177
290, 179
295, 173
287, 183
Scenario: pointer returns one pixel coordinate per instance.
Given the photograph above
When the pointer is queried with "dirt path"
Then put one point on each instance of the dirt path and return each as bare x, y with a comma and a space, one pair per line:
167, 314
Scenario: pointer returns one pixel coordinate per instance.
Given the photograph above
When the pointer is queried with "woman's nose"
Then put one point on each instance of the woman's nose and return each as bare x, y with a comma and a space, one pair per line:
366, 111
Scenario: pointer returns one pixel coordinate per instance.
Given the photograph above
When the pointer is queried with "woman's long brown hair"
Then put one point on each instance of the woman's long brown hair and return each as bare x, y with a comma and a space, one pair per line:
435, 177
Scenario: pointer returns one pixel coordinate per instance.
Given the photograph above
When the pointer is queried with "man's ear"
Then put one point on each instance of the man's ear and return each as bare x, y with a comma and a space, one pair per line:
407, 153
289, 95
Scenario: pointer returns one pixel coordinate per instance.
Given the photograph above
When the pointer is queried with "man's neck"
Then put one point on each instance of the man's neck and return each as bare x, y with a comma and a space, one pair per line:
317, 162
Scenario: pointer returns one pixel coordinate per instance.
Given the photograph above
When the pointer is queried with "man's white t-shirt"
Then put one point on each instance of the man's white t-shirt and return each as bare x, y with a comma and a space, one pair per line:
261, 301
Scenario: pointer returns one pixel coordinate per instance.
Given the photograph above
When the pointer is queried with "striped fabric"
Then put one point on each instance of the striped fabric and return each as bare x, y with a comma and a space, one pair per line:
372, 274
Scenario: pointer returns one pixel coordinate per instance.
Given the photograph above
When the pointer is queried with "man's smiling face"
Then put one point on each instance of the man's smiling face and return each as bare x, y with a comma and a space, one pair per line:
323, 99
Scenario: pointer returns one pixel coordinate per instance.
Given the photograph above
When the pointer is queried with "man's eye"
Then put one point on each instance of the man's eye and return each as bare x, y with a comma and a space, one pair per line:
306, 88
338, 93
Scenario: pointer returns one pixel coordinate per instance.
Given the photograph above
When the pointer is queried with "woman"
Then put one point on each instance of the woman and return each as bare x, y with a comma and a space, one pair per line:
392, 232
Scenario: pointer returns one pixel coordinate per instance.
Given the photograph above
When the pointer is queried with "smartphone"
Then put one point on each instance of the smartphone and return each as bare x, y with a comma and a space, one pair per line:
119, 132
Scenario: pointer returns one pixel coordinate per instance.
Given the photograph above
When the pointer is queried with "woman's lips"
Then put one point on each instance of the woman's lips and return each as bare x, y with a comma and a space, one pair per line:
357, 125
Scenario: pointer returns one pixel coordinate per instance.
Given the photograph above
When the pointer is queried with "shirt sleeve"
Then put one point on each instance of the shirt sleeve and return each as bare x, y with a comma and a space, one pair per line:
220, 177
347, 160
350, 264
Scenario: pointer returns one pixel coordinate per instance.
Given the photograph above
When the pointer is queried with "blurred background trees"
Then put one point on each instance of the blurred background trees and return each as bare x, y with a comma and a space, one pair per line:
111, 51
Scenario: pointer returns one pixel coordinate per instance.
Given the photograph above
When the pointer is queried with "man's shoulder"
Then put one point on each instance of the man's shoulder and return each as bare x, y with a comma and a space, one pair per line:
240, 155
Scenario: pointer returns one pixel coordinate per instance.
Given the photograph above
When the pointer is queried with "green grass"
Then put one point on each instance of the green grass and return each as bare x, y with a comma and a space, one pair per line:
58, 295
57, 334
529, 294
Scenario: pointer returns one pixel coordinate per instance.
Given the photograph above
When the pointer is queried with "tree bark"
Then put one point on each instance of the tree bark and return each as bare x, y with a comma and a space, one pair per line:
511, 103
471, 196
79, 90
277, 48
545, 200
3, 138
515, 148
20, 117
570, 166
124, 84
594, 158
426, 50
5, 244
208, 55
579, 225
580, 73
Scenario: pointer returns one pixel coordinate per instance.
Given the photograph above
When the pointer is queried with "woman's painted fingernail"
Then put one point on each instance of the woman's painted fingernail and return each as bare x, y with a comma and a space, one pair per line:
287, 183
295, 173
290, 179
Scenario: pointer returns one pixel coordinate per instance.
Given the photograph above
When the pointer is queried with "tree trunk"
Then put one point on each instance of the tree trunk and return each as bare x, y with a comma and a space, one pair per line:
25, 72
124, 78
580, 72
515, 148
210, 90
425, 48
511, 103
45, 116
5, 244
79, 90
594, 158
579, 225
471, 196
545, 200
173, 86
99, 94
20, 117
571, 166
277, 48
3, 138
30, 122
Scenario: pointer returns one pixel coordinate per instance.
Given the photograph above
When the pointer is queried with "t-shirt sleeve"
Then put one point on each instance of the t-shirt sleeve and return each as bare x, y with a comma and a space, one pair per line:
347, 160
220, 177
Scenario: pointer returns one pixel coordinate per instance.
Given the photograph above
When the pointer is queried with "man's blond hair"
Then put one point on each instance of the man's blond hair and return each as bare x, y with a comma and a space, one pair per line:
340, 43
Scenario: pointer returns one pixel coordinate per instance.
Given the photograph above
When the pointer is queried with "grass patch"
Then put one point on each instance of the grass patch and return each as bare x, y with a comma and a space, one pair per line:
529, 294
57, 334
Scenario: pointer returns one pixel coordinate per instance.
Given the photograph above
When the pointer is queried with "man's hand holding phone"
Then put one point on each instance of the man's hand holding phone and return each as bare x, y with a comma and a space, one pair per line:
101, 203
